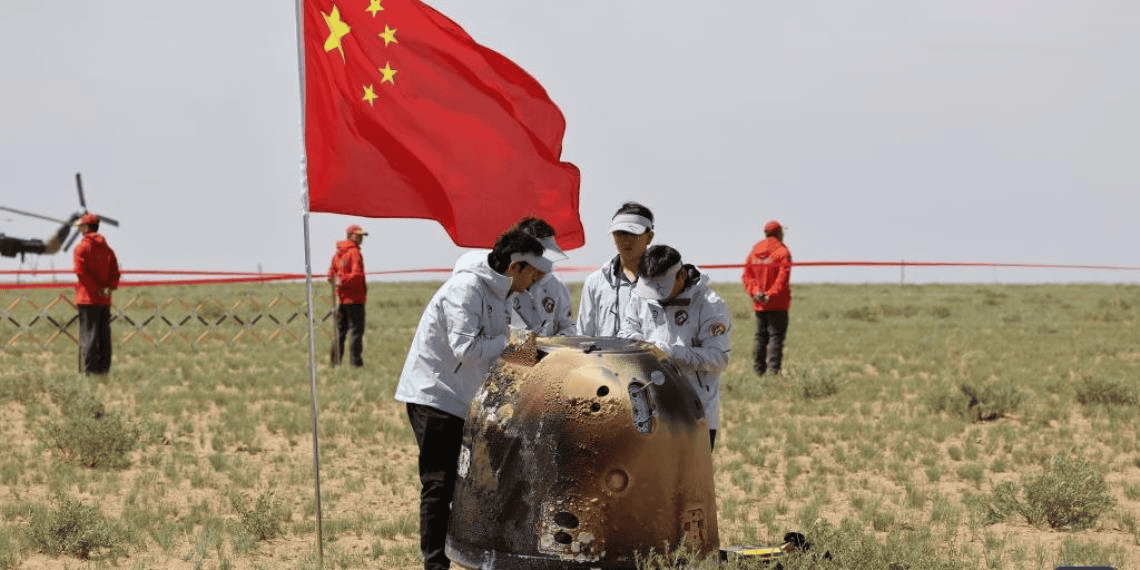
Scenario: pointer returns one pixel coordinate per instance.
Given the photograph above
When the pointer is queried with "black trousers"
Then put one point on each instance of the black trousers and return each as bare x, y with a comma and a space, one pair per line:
768, 348
350, 324
94, 339
439, 436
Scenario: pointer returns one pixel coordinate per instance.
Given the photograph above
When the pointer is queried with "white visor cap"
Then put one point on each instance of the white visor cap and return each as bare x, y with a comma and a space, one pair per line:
551, 250
630, 223
537, 261
659, 287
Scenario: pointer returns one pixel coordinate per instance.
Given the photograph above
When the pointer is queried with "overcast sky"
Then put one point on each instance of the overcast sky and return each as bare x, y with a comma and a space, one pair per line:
956, 130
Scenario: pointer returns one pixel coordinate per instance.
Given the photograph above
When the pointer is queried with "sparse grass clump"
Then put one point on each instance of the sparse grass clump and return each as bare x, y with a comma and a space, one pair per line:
1107, 392
264, 520
1068, 495
681, 557
72, 528
88, 434
977, 403
816, 383
9, 550
997, 506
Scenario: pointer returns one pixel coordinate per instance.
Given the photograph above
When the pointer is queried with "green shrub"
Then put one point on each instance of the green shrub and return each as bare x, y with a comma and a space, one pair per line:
972, 403
1069, 495
91, 436
9, 549
972, 472
1078, 552
866, 314
75, 399
1107, 392
680, 557
853, 546
816, 383
73, 528
992, 401
264, 520
998, 505
24, 388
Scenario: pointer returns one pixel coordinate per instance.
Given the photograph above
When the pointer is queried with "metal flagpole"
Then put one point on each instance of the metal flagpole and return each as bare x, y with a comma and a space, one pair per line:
313, 382
309, 287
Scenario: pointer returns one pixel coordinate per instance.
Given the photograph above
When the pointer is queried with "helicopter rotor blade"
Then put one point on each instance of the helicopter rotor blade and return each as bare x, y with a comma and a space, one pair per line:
79, 187
111, 221
29, 214
70, 240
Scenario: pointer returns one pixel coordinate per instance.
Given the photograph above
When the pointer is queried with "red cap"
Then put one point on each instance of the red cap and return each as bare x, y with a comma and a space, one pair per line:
772, 226
87, 219
355, 229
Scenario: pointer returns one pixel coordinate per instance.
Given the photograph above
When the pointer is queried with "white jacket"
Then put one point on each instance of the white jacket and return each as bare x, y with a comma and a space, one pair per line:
605, 296
695, 336
462, 331
543, 308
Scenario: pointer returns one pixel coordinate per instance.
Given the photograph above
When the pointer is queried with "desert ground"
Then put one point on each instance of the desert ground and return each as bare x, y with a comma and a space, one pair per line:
912, 425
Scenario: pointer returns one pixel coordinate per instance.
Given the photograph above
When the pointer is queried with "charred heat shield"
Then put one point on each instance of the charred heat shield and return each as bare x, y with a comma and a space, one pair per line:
597, 451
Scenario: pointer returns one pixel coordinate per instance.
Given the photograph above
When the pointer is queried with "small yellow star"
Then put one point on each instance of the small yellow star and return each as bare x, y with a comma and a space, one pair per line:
374, 6
337, 30
389, 36
369, 94
389, 73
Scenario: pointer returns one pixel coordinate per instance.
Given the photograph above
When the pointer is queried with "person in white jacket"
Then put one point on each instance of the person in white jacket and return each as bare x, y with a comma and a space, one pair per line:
673, 307
545, 307
461, 333
606, 292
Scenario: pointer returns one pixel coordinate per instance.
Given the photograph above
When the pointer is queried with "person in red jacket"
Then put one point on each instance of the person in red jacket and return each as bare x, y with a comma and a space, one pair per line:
346, 273
97, 275
767, 272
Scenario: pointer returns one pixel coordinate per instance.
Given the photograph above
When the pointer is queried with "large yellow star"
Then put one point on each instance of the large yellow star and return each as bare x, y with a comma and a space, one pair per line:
369, 94
337, 30
374, 6
389, 36
389, 73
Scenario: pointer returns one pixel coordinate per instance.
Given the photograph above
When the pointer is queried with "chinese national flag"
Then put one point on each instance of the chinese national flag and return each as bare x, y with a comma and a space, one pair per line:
407, 117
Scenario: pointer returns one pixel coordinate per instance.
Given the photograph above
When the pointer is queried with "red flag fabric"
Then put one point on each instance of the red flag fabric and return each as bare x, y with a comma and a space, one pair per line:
406, 116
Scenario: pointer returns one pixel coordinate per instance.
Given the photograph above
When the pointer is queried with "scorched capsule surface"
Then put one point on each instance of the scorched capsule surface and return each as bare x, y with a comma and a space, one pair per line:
597, 451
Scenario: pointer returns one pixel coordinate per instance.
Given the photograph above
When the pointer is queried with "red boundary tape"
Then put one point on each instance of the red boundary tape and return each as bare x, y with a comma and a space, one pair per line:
250, 277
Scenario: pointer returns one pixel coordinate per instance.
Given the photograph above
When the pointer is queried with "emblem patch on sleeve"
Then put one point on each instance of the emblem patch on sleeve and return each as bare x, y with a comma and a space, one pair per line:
717, 329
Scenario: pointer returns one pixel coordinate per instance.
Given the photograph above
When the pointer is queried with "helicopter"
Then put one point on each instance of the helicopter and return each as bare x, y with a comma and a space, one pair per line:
63, 238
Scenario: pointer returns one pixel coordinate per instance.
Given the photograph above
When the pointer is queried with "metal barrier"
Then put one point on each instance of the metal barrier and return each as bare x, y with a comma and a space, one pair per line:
246, 320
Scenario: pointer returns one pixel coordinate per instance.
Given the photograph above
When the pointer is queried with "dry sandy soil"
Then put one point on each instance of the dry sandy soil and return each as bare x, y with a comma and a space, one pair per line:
372, 496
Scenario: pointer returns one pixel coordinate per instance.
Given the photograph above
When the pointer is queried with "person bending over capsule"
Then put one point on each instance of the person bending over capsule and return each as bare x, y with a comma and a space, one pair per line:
673, 307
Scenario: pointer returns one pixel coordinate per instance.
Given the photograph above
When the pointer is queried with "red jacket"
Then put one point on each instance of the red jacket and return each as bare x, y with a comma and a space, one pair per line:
768, 269
348, 269
96, 269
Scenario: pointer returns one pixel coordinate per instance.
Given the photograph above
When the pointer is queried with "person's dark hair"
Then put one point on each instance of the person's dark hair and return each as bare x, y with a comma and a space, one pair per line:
656, 260
635, 208
533, 226
512, 241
